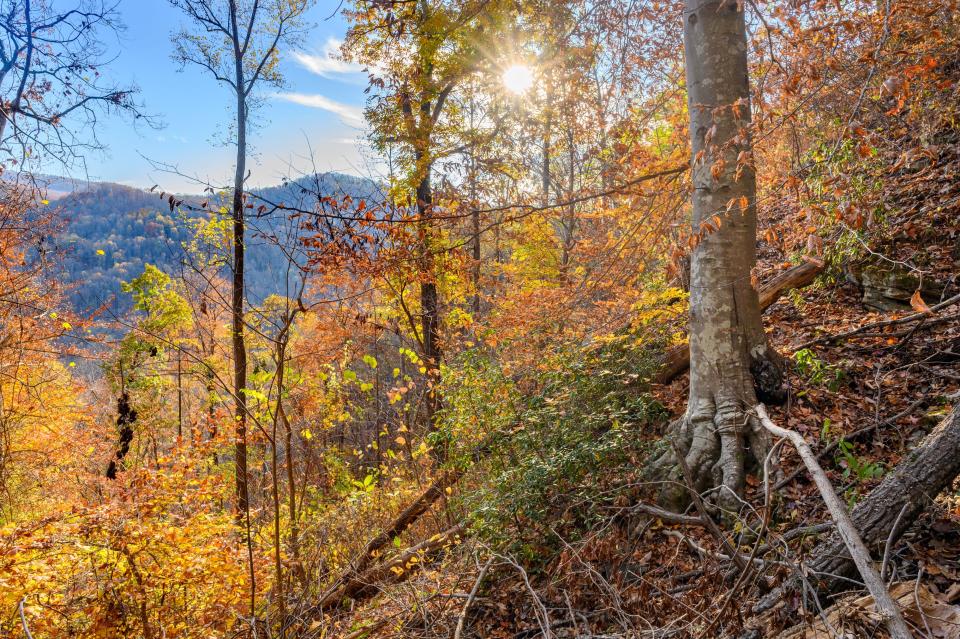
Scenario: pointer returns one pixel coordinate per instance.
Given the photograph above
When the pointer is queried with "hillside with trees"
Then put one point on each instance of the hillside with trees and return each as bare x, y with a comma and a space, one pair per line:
646, 327
110, 232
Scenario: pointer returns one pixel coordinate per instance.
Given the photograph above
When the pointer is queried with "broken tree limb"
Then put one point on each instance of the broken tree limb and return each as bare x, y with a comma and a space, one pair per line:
913, 317
845, 527
473, 595
915, 482
360, 586
364, 586
668, 515
333, 595
676, 360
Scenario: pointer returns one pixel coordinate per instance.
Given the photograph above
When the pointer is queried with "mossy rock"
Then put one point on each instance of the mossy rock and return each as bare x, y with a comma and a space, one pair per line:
888, 287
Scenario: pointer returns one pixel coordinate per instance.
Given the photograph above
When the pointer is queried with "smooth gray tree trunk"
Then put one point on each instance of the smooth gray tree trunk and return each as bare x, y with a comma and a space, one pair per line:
728, 348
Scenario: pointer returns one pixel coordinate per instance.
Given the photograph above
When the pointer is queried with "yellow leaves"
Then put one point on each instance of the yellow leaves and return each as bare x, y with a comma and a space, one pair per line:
101, 252
306, 434
400, 440
66, 326
45, 202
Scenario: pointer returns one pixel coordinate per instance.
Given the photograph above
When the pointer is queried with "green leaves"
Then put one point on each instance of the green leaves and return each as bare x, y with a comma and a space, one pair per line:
155, 293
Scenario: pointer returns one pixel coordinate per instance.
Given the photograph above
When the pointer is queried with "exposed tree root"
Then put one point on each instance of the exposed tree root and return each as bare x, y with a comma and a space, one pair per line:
887, 511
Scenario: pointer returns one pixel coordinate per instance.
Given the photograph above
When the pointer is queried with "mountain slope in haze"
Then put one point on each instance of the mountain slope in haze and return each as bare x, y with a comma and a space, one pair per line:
110, 232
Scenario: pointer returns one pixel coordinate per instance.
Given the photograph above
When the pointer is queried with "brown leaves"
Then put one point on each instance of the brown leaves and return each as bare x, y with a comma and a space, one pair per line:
921, 607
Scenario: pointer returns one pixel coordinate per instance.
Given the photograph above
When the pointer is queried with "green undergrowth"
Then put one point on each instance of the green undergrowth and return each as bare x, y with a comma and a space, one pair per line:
577, 431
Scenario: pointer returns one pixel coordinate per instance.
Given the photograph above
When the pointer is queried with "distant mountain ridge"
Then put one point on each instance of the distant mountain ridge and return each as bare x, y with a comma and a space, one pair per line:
111, 231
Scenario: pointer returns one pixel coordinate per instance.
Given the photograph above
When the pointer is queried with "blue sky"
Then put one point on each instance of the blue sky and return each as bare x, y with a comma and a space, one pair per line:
320, 108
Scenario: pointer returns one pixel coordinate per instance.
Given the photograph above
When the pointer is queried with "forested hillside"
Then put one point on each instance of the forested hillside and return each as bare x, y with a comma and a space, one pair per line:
645, 325
109, 232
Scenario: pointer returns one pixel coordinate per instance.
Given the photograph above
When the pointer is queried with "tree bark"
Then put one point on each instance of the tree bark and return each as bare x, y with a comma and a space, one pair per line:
676, 360
728, 347
126, 417
912, 486
429, 304
237, 288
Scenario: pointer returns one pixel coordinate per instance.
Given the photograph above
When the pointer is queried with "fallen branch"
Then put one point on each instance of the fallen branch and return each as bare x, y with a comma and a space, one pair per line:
857, 433
473, 594
915, 482
668, 516
845, 527
913, 317
333, 594
676, 360
366, 585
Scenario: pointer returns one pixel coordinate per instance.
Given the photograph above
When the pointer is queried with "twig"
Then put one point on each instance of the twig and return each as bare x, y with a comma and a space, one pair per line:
542, 614
893, 322
702, 509
889, 544
848, 532
470, 598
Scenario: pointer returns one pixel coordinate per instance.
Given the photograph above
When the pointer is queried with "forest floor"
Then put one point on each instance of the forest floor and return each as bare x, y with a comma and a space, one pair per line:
862, 401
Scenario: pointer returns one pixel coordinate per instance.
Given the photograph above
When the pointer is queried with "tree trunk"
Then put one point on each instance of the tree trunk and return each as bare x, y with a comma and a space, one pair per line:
236, 310
899, 499
429, 304
179, 394
474, 212
126, 418
676, 360
728, 348
236, 307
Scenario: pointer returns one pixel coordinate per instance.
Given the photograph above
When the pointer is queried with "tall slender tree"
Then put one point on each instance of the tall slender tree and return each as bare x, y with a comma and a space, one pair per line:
420, 53
238, 42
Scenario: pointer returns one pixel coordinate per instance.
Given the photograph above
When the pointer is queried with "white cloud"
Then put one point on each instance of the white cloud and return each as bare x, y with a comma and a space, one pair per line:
327, 63
314, 100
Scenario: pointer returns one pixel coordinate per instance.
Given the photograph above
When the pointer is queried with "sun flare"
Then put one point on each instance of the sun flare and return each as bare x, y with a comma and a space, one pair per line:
518, 79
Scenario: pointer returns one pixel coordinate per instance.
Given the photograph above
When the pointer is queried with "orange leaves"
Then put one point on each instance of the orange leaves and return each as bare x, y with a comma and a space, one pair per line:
917, 303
